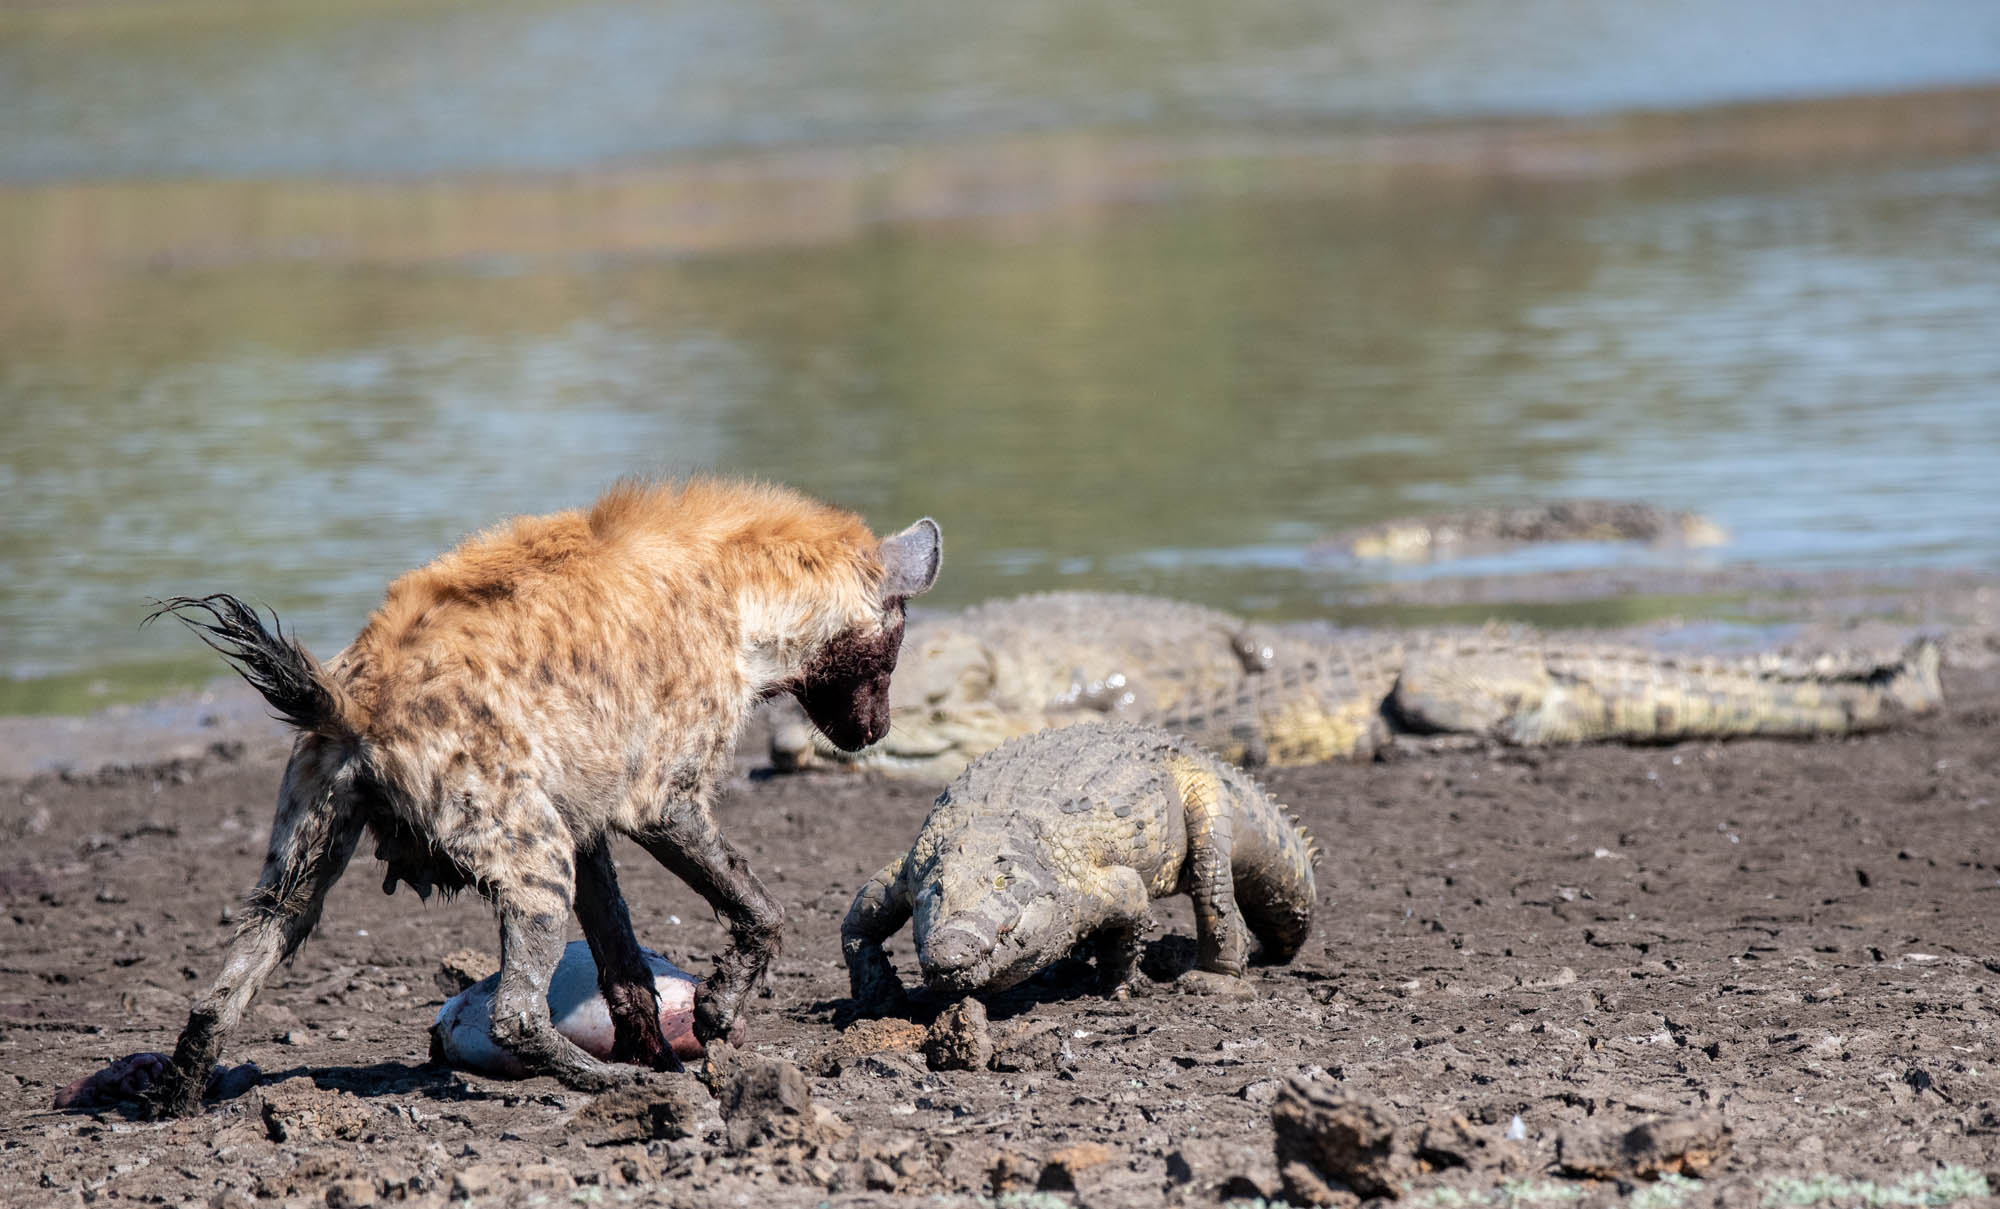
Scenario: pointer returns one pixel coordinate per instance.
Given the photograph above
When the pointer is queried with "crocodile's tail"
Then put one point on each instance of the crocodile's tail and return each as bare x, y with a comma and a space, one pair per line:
1623, 695
272, 661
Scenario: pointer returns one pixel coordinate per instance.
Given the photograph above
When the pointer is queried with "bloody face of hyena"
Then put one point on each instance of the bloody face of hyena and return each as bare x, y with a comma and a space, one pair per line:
845, 691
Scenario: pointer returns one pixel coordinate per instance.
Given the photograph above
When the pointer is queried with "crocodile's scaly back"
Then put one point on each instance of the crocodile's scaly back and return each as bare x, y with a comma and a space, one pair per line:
1103, 650
1066, 835
1311, 703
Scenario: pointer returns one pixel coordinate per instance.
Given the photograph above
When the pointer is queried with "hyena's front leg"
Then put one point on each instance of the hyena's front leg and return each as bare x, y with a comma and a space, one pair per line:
692, 848
623, 977
311, 842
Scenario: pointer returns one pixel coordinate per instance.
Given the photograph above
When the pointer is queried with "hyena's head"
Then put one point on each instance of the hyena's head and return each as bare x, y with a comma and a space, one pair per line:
845, 687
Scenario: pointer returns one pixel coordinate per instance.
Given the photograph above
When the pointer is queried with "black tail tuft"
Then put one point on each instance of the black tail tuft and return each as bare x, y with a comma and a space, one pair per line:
273, 662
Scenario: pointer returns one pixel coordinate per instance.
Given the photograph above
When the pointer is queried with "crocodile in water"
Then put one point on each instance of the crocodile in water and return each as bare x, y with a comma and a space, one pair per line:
1482, 530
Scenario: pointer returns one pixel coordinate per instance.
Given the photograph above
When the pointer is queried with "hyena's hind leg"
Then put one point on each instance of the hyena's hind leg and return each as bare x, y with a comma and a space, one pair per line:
525, 855
623, 977
318, 824
690, 845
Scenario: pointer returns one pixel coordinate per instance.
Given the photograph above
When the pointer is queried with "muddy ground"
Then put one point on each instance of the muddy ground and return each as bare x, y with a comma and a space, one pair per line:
1797, 943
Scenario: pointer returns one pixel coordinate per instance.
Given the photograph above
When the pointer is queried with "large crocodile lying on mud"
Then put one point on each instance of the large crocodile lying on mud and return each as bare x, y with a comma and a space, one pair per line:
1066, 836
1458, 534
1299, 694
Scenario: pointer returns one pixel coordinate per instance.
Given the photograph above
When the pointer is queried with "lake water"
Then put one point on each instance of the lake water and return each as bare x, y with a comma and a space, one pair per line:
1125, 297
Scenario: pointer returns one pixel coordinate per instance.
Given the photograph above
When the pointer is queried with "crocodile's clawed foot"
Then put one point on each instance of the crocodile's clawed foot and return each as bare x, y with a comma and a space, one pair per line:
1211, 983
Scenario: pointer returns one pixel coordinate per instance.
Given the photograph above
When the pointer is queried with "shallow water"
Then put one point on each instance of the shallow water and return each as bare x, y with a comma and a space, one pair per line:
225, 87
1170, 381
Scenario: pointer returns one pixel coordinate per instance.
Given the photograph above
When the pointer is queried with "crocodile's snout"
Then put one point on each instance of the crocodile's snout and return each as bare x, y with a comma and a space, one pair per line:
955, 953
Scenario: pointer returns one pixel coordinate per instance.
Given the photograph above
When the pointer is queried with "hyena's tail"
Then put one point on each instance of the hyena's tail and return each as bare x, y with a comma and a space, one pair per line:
272, 661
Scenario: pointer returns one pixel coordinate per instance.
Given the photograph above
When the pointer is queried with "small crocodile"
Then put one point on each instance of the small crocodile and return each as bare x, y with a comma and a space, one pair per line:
1457, 534
1066, 836
1299, 694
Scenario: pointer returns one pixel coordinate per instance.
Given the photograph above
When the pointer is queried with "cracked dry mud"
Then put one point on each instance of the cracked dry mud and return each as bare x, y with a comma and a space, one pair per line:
1801, 940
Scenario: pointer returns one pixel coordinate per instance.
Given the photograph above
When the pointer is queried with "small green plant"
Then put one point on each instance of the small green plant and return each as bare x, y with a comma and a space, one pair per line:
1945, 1186
1666, 1193
1517, 1192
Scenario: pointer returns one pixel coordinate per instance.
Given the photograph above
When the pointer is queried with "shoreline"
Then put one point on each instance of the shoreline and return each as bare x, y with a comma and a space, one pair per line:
1731, 610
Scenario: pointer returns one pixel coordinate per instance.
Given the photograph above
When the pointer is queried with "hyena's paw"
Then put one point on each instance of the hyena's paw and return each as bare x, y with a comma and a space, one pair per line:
595, 1076
718, 1018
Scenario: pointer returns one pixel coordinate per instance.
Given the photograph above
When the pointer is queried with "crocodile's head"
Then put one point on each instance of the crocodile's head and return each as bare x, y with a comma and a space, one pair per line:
941, 716
990, 915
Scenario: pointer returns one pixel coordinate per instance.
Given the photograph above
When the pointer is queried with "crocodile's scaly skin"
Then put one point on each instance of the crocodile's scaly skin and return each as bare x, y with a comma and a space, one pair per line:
1342, 699
1065, 836
1282, 695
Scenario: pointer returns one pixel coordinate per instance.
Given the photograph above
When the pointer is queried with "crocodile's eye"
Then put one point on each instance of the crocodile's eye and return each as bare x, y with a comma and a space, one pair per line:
999, 881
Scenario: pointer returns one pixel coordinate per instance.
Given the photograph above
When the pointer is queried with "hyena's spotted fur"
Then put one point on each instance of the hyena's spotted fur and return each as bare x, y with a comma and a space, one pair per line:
545, 684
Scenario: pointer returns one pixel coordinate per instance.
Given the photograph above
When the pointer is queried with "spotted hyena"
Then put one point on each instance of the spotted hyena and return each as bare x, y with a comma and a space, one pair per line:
544, 685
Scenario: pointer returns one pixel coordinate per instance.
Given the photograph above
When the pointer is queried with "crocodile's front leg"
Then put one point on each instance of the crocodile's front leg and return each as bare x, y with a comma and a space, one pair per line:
1115, 895
881, 907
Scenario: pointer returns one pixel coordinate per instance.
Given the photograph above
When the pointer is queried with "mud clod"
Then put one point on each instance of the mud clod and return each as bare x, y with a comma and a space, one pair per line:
1669, 1146
463, 967
765, 1102
1034, 1045
663, 1107
867, 1037
1330, 1147
297, 1110
958, 1039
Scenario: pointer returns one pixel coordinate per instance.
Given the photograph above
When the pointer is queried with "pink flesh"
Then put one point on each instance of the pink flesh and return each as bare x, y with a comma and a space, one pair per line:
125, 1079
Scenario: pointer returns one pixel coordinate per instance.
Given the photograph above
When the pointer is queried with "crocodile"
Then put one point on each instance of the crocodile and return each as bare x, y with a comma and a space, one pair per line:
967, 682
1297, 694
1349, 698
1064, 837
1457, 534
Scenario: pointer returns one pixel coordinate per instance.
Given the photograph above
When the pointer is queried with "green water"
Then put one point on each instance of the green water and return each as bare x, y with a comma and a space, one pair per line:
1168, 381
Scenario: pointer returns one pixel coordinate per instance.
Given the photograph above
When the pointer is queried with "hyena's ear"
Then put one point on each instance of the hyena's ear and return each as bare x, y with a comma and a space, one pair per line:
910, 560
